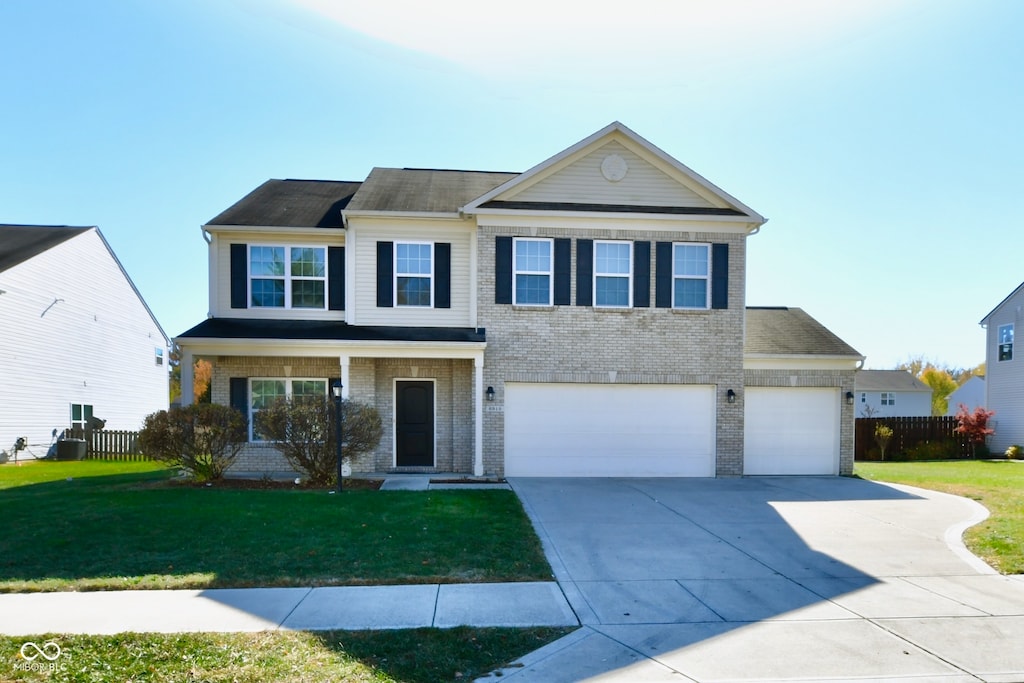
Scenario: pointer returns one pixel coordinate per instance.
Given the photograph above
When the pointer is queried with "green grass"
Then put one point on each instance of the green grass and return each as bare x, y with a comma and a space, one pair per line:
101, 526
998, 485
426, 655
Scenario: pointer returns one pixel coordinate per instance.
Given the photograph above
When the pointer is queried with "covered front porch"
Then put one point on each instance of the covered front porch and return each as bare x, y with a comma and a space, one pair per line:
426, 383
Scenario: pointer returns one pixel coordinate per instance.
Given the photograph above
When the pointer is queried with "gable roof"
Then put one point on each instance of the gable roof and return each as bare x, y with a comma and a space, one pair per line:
19, 243
422, 190
889, 380
291, 204
984, 321
782, 331
706, 198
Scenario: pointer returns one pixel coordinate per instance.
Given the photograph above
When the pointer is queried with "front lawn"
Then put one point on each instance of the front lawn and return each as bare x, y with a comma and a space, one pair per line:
998, 485
419, 655
102, 526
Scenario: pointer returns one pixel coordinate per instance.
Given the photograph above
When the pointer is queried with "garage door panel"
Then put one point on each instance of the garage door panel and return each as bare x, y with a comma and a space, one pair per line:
609, 430
791, 430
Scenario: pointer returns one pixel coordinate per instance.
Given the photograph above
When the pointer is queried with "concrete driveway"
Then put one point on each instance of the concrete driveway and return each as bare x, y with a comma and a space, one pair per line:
761, 579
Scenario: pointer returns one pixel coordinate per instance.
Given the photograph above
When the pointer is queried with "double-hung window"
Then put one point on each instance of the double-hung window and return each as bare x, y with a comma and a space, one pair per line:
287, 277
264, 392
81, 414
690, 276
613, 274
1005, 342
414, 273
532, 268
888, 398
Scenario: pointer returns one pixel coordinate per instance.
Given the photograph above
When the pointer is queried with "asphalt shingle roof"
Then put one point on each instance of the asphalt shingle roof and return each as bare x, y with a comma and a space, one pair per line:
791, 332
888, 380
244, 328
19, 243
423, 190
292, 204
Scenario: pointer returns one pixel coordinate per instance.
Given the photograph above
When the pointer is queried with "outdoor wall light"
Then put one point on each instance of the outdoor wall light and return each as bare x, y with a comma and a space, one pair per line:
849, 398
730, 396
490, 393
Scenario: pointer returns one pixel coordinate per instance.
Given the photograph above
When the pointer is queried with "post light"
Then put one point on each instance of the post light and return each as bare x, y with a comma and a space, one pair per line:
336, 389
730, 396
849, 398
490, 393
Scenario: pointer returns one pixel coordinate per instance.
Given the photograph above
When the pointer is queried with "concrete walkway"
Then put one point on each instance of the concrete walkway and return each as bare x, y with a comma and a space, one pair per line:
769, 579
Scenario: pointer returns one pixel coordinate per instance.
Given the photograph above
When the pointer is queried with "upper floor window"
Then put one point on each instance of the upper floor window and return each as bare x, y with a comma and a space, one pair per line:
287, 277
159, 355
690, 275
263, 393
613, 273
414, 273
888, 398
1006, 342
532, 267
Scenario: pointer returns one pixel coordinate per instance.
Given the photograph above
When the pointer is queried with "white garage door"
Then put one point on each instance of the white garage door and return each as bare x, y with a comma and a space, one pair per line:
791, 431
610, 430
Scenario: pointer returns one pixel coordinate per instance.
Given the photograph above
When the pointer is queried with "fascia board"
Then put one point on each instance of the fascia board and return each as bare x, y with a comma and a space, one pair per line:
984, 321
331, 347
576, 219
272, 229
796, 362
447, 215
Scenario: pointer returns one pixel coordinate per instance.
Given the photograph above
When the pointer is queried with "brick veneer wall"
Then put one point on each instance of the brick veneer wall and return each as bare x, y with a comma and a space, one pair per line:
623, 346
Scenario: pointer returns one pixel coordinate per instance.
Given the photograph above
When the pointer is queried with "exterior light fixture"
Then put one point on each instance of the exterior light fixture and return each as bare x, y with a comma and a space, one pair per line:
730, 396
849, 398
490, 393
336, 390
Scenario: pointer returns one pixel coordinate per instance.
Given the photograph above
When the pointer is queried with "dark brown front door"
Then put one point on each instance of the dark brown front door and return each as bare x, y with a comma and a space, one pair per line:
414, 417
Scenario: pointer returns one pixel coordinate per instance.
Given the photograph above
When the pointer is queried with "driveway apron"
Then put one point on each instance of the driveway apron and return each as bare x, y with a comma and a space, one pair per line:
765, 579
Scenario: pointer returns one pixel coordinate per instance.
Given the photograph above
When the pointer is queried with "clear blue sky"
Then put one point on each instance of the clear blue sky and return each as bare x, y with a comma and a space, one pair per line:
883, 139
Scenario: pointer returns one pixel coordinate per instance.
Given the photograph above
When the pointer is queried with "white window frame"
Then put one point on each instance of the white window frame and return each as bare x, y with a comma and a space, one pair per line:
288, 392
517, 271
430, 276
887, 398
679, 276
628, 277
287, 277
83, 420
1000, 343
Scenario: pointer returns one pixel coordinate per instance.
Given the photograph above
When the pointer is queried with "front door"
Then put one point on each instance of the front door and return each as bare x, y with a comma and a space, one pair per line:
414, 418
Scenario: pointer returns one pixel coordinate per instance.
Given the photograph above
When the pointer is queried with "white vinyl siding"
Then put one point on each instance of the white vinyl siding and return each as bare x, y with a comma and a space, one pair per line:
614, 430
363, 235
644, 184
77, 333
1004, 381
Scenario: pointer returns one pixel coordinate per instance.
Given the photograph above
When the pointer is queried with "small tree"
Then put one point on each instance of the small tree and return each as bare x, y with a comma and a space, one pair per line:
974, 425
304, 432
882, 435
203, 438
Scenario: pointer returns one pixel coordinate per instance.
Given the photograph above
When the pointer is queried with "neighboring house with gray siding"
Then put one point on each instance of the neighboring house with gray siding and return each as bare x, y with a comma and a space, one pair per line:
892, 393
79, 341
970, 394
585, 317
1004, 371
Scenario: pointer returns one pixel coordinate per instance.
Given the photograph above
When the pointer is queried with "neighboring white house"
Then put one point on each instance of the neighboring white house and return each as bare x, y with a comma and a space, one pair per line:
971, 394
1004, 371
78, 340
891, 393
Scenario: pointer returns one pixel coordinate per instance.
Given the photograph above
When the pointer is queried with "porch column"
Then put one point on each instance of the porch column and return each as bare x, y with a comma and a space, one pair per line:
344, 361
478, 416
187, 366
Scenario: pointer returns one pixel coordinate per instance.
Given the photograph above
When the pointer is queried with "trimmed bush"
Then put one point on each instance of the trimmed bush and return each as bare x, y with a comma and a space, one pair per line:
203, 438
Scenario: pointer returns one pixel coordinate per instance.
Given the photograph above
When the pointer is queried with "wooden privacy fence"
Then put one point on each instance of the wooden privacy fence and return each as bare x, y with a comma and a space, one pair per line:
908, 433
108, 444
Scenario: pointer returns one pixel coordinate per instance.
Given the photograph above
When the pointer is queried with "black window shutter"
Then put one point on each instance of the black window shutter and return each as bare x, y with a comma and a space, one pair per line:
238, 393
663, 275
385, 274
502, 270
239, 276
563, 271
584, 272
336, 278
442, 275
641, 274
719, 276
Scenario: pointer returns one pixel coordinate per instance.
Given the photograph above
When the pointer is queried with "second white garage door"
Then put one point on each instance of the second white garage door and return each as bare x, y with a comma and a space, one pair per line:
614, 430
791, 430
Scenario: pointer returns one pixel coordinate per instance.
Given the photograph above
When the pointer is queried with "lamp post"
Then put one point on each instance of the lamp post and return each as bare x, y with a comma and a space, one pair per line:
337, 428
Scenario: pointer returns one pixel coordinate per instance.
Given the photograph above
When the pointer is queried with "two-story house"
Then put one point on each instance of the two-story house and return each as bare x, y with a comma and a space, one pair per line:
1004, 372
583, 318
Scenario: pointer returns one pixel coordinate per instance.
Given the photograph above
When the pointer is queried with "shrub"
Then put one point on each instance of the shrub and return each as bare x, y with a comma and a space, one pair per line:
1015, 452
304, 432
933, 450
975, 427
203, 438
